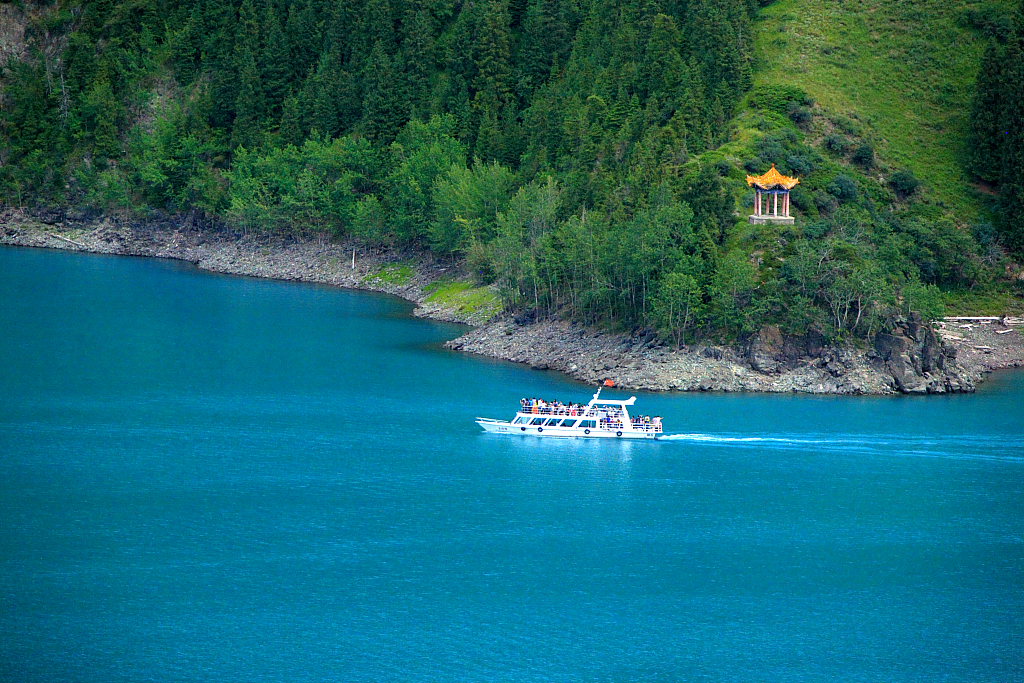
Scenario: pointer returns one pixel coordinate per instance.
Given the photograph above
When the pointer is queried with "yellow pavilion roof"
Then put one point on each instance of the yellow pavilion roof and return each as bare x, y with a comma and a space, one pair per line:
772, 179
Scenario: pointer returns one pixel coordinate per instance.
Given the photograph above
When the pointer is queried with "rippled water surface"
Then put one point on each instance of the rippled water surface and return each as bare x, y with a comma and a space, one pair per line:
224, 479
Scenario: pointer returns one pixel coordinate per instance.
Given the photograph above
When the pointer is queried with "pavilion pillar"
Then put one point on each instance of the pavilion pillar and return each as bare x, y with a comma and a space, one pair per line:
757, 202
785, 204
776, 209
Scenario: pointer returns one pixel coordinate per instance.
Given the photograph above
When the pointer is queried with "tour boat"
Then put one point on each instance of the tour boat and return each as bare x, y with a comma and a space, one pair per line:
601, 418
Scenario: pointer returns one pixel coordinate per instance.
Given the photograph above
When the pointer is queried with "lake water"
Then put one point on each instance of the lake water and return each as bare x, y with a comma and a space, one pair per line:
212, 478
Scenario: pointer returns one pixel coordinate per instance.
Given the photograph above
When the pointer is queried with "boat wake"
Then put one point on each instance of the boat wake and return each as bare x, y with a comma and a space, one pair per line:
939, 446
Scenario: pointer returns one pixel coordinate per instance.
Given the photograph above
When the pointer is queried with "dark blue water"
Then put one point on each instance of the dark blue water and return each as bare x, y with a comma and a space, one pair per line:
221, 479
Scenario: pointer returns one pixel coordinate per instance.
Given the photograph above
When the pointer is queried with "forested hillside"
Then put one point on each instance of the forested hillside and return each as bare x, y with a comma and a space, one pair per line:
585, 156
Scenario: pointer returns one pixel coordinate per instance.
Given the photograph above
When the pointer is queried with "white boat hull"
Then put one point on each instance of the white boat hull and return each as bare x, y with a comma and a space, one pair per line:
505, 427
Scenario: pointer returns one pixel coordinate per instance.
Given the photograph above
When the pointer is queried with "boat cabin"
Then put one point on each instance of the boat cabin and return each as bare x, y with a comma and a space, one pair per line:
600, 414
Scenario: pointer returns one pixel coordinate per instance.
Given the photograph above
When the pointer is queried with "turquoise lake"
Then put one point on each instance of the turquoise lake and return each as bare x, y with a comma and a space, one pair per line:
210, 478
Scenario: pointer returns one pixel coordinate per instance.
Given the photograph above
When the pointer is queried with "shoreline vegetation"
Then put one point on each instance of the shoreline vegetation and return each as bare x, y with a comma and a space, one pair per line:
912, 358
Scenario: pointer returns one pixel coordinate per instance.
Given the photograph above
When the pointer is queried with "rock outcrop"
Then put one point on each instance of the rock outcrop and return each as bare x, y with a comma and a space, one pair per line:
909, 358
918, 361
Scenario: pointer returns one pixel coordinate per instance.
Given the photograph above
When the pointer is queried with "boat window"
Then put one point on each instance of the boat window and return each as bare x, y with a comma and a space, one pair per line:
552, 422
588, 424
571, 422
537, 421
517, 420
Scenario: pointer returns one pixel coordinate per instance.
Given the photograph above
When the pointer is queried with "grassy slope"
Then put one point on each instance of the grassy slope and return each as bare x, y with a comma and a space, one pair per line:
905, 70
901, 73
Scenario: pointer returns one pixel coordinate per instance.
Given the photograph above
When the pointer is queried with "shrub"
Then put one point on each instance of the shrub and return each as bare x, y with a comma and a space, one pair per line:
799, 165
925, 299
847, 125
816, 229
837, 143
864, 155
843, 188
904, 183
993, 20
803, 199
825, 202
800, 115
778, 98
985, 233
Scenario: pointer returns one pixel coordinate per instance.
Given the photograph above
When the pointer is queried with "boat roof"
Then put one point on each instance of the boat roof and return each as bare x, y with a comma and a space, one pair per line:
628, 402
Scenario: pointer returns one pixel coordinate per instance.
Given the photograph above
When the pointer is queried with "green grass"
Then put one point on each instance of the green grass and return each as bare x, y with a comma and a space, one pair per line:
464, 297
905, 71
1002, 300
399, 274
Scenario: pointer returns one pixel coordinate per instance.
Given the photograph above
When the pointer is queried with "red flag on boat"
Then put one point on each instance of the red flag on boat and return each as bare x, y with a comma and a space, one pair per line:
609, 383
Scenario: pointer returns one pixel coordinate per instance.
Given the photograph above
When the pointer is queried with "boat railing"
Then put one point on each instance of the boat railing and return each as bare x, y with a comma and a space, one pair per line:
553, 410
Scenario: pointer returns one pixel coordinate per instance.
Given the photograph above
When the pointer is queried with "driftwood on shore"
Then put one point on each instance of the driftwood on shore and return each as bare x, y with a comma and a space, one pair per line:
68, 240
984, 319
974, 317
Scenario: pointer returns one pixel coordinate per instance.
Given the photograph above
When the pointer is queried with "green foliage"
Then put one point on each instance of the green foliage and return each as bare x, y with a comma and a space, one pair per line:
864, 155
100, 116
370, 222
904, 183
925, 299
843, 188
997, 138
467, 203
313, 187
781, 99
677, 305
837, 143
422, 153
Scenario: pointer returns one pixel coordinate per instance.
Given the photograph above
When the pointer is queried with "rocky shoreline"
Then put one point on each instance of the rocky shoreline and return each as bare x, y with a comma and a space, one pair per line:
912, 358
215, 248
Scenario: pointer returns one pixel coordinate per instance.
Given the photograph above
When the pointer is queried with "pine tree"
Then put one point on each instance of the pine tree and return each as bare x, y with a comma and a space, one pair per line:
534, 58
663, 73
219, 62
493, 80
493, 53
985, 147
101, 111
318, 98
292, 130
1011, 132
341, 33
376, 27
418, 55
274, 62
249, 107
384, 108
185, 44
713, 207
305, 36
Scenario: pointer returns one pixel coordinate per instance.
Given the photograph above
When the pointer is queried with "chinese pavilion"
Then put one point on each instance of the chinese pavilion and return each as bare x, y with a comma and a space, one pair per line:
771, 193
